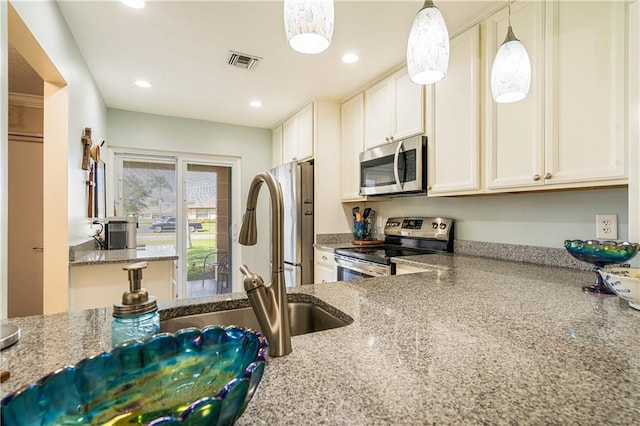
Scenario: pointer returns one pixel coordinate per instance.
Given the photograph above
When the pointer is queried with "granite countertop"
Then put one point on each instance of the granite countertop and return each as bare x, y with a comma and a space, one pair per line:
333, 246
146, 254
477, 341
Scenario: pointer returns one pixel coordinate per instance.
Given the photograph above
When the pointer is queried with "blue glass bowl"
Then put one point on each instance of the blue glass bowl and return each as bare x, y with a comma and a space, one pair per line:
192, 377
599, 254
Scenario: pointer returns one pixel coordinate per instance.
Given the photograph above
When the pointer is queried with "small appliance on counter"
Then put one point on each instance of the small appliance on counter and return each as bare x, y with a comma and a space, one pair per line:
136, 318
119, 232
403, 236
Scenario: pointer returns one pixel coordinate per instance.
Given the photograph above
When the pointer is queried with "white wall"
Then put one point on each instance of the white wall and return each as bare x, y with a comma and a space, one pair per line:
86, 106
542, 219
252, 145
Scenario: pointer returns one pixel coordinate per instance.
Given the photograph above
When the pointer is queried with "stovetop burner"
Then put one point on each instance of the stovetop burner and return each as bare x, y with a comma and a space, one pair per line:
380, 254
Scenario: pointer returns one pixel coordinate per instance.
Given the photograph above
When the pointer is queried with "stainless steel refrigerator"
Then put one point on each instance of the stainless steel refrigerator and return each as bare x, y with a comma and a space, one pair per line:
296, 181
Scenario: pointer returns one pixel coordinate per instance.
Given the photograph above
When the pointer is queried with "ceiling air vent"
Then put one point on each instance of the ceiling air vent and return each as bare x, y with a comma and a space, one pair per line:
242, 60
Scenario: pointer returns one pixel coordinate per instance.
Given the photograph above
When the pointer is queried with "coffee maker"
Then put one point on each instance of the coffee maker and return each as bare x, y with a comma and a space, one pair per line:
119, 232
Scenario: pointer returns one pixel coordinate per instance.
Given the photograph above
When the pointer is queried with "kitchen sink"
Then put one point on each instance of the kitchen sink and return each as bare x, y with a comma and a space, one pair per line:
305, 317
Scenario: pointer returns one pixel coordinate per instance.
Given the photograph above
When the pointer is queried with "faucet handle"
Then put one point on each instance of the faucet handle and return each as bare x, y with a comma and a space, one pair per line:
252, 281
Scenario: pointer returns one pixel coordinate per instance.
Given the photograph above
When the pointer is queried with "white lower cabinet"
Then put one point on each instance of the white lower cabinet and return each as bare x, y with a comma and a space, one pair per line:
102, 285
324, 268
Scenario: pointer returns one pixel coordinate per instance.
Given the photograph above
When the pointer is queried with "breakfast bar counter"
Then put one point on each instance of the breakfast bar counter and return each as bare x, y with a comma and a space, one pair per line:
475, 341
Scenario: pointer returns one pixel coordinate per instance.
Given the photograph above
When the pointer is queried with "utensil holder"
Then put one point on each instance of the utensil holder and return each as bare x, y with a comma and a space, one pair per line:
362, 229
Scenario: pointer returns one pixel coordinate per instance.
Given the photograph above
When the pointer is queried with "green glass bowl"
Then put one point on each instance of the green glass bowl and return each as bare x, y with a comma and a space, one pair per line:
192, 377
601, 253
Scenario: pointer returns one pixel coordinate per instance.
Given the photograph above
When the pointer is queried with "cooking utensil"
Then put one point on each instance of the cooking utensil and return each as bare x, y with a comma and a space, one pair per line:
366, 213
356, 213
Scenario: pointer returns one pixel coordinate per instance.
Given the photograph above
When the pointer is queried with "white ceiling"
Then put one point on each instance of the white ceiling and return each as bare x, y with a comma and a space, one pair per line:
182, 48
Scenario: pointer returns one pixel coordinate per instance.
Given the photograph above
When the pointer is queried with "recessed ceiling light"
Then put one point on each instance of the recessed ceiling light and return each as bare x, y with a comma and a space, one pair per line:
143, 83
350, 58
136, 4
255, 104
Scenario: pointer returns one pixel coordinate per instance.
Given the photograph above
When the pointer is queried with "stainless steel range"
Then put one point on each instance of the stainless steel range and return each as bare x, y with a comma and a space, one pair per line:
403, 236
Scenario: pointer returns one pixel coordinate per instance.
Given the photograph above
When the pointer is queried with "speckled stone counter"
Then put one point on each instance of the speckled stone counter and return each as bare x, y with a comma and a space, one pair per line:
482, 342
146, 254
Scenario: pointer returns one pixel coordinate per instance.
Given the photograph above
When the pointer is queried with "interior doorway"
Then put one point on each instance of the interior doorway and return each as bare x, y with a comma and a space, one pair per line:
25, 239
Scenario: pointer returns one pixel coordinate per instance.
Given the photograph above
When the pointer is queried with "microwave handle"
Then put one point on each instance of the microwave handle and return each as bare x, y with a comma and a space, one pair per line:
396, 160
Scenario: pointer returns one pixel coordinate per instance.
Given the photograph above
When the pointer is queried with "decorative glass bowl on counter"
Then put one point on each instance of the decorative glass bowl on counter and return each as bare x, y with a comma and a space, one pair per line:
600, 254
625, 282
192, 377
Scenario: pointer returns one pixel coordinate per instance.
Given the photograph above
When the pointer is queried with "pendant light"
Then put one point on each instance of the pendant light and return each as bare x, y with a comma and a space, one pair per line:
308, 24
428, 46
511, 70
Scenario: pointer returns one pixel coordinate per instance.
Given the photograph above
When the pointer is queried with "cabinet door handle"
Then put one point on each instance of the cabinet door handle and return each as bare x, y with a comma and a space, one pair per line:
536, 177
324, 257
548, 175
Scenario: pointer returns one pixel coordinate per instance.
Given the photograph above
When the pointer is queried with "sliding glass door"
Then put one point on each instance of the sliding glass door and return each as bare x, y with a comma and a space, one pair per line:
207, 189
185, 203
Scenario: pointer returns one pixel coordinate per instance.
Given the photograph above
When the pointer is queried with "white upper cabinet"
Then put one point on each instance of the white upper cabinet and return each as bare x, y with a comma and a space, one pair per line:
305, 133
352, 142
408, 114
297, 138
378, 110
276, 146
570, 131
515, 131
586, 92
393, 109
453, 121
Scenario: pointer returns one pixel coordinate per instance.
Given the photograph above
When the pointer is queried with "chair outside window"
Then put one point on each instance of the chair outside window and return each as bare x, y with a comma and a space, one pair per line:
216, 266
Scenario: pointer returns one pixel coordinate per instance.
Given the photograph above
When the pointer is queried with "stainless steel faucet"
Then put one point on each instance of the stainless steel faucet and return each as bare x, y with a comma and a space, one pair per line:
269, 302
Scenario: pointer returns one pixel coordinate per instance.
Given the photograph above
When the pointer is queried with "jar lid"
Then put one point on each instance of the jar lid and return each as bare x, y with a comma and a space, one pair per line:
121, 310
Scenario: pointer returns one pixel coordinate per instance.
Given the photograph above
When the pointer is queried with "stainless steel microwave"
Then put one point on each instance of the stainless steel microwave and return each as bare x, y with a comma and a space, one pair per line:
396, 168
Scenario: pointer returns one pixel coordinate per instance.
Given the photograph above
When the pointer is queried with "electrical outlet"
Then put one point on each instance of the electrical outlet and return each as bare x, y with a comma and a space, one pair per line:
607, 226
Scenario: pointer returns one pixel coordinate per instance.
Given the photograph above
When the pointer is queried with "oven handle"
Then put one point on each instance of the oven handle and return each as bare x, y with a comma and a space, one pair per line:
363, 267
396, 161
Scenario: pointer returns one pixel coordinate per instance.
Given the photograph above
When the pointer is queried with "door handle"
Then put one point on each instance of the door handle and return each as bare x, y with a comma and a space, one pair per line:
38, 249
396, 161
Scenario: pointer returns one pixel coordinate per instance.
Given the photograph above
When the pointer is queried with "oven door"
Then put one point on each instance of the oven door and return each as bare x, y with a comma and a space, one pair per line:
348, 269
394, 168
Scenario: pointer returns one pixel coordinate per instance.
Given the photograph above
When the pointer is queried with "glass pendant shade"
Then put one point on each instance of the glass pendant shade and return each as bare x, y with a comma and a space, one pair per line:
428, 46
308, 24
511, 71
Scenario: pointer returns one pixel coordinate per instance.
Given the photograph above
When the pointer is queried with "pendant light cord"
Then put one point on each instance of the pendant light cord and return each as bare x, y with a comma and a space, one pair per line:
509, 12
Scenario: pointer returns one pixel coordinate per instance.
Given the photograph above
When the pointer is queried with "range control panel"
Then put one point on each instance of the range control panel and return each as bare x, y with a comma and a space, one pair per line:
438, 228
